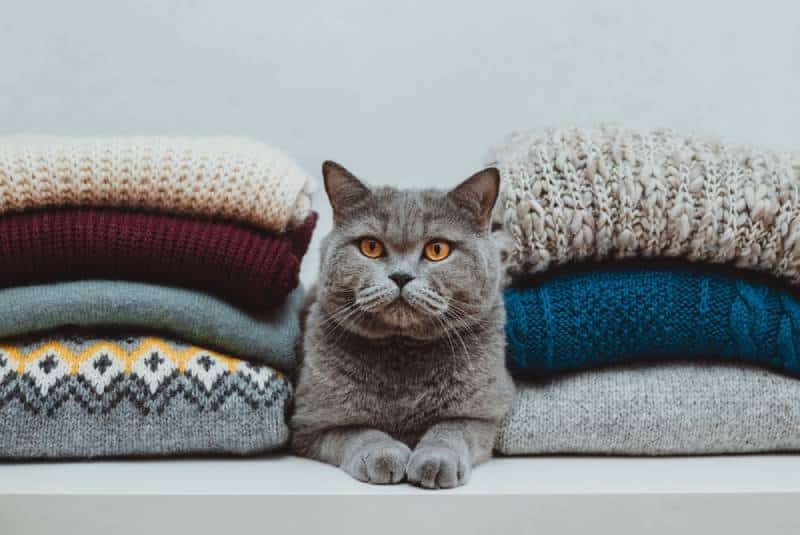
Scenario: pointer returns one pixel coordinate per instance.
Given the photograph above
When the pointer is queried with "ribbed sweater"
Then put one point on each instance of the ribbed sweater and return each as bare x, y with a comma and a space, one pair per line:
573, 195
246, 266
591, 318
213, 178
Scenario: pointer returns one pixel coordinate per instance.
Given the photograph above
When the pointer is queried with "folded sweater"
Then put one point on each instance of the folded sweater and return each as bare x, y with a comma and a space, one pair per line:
195, 317
76, 396
585, 194
675, 408
588, 318
221, 178
244, 265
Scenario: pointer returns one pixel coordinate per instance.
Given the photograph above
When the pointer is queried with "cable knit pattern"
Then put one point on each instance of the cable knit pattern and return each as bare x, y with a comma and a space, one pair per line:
227, 178
239, 263
571, 195
674, 408
587, 319
78, 395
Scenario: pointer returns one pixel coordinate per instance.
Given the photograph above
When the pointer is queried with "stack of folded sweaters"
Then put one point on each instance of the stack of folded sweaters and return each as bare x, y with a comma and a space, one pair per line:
149, 295
653, 305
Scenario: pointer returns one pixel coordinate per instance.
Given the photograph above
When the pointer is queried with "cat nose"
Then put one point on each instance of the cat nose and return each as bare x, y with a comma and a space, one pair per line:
401, 279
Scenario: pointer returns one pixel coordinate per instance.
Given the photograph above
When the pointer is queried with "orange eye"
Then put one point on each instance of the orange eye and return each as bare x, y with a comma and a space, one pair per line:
371, 248
437, 250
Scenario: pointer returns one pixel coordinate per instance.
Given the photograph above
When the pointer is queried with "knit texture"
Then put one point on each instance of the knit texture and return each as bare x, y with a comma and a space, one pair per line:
221, 178
572, 195
78, 396
244, 265
591, 318
195, 317
663, 409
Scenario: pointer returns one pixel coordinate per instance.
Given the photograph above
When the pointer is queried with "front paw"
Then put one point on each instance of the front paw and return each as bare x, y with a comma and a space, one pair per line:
382, 462
438, 467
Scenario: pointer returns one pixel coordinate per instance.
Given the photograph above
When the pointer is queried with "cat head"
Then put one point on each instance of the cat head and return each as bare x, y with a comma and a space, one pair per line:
404, 262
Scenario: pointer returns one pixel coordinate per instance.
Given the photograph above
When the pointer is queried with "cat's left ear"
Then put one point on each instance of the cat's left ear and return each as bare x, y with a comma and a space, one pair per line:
478, 193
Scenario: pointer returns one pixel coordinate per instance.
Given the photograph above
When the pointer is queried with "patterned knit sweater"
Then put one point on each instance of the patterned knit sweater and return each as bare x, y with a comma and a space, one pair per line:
80, 395
571, 195
591, 318
224, 178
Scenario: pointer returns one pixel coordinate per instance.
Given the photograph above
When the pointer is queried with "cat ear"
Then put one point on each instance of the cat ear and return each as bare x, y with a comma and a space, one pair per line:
342, 187
478, 193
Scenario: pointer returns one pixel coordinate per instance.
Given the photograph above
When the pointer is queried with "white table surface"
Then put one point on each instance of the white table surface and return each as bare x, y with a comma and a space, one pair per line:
287, 475
731, 495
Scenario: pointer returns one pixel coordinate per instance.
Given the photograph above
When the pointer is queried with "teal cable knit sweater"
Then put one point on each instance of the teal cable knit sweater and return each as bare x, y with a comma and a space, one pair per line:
583, 320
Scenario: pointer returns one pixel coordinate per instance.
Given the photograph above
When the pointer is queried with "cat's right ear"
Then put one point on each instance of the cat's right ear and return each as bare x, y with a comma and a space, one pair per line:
343, 189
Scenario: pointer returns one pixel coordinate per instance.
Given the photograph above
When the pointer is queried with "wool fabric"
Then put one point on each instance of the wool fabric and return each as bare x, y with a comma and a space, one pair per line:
220, 178
246, 266
571, 195
196, 317
676, 408
75, 395
590, 318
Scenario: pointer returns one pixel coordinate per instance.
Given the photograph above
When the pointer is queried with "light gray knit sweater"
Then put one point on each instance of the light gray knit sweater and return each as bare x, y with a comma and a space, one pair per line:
663, 409
609, 192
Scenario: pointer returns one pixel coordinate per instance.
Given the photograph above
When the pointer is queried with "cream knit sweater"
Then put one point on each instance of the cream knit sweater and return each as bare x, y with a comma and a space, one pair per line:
226, 178
609, 192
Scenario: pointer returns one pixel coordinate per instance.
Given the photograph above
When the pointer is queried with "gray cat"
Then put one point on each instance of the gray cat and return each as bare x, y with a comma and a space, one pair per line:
404, 343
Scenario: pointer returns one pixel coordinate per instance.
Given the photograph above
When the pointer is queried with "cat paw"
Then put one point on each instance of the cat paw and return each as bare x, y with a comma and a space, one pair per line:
380, 463
438, 467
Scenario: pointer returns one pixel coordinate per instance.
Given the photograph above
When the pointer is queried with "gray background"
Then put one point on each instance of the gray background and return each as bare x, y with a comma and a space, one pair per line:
410, 92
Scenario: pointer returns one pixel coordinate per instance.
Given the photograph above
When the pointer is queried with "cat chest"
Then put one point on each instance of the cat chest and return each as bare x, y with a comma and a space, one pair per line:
405, 403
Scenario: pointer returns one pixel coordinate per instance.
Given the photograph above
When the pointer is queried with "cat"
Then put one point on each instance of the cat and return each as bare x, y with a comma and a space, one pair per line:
403, 374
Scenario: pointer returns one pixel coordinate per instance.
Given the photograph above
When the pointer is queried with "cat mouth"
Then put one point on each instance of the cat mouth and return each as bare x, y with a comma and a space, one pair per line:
402, 310
400, 302
401, 313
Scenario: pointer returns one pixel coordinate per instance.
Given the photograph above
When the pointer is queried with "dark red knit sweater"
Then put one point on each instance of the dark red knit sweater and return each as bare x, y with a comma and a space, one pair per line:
244, 265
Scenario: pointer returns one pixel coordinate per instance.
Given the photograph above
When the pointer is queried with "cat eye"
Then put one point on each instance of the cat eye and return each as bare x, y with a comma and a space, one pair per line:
437, 250
370, 247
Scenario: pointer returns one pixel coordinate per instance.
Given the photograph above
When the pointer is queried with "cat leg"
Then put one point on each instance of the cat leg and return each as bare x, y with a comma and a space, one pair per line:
445, 454
368, 455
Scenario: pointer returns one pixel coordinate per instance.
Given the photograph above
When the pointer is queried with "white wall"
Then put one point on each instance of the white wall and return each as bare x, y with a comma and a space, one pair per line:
404, 92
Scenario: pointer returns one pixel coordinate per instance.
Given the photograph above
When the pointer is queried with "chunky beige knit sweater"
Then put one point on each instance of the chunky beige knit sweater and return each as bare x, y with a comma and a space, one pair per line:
572, 194
226, 178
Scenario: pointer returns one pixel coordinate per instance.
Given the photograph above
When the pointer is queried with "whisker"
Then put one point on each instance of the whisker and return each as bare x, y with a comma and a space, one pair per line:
342, 330
336, 320
447, 334
336, 314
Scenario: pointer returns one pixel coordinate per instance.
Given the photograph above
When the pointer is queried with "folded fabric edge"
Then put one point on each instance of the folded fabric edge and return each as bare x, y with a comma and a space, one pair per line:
245, 265
191, 315
565, 197
668, 408
137, 162
603, 314
81, 396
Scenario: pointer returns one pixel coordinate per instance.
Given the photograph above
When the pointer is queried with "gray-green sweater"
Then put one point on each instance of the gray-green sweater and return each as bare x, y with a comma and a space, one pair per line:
193, 316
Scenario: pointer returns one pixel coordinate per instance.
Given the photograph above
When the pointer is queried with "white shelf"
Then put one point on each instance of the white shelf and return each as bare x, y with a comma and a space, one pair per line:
288, 475
284, 494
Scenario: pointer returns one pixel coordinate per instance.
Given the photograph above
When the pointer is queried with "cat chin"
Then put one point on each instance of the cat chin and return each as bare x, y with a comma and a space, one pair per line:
400, 320
400, 317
